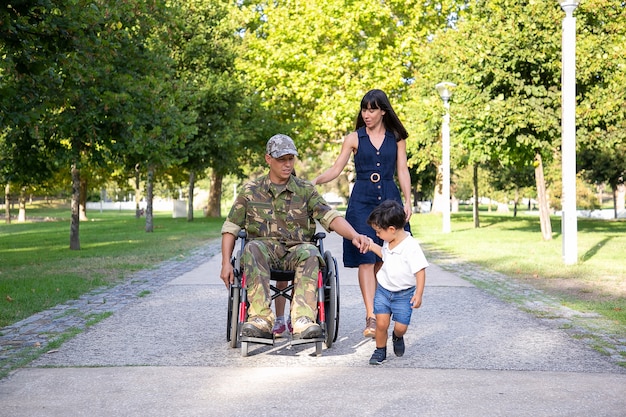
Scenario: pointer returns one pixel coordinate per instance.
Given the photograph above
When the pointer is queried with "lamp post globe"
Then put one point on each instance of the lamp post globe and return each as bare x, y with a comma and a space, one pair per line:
444, 89
569, 6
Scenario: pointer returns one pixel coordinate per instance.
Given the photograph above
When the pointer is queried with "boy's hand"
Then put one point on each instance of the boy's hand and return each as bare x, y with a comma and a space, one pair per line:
416, 301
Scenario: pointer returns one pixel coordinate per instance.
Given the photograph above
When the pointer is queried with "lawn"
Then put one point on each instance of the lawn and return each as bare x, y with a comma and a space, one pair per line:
38, 270
514, 246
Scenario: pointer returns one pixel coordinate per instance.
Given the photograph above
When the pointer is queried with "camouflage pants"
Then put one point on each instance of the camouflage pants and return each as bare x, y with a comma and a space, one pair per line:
260, 256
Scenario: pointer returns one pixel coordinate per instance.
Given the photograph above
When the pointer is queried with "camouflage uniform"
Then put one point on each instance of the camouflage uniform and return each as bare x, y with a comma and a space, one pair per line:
280, 222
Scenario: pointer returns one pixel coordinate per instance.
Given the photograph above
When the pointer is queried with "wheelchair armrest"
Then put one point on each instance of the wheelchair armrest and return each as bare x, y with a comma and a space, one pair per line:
318, 239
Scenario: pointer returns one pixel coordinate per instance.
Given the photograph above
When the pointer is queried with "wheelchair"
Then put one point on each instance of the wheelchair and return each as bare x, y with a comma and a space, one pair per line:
327, 300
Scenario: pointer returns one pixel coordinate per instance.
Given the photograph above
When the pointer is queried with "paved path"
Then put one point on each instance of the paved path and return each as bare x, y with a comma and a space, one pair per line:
165, 354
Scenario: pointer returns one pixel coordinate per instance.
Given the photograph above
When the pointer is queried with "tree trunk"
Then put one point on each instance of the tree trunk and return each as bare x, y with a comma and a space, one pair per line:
137, 191
149, 198
515, 202
475, 208
542, 197
75, 219
215, 194
21, 216
82, 206
7, 201
192, 184
614, 203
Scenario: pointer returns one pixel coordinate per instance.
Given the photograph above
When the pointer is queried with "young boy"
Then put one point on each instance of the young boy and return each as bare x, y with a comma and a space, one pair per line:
401, 278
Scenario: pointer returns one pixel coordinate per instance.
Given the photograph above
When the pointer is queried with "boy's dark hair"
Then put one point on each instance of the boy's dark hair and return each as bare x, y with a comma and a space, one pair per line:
388, 213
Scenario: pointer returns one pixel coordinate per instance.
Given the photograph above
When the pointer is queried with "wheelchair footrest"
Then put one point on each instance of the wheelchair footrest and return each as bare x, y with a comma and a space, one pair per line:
303, 341
257, 340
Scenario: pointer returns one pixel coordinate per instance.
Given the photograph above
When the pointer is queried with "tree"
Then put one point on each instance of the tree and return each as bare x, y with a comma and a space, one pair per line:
311, 62
503, 55
98, 72
30, 49
601, 75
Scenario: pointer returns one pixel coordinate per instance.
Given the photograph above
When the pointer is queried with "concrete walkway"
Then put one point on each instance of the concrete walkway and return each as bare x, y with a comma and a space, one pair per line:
468, 354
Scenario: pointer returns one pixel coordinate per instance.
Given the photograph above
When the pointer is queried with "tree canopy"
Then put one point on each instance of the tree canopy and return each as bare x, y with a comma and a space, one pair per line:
195, 88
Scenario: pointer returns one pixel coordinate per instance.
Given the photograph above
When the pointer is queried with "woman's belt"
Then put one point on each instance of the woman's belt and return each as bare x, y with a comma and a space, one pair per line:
374, 177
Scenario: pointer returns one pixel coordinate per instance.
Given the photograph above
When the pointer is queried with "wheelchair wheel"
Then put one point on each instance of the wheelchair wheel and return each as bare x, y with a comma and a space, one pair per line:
331, 299
232, 335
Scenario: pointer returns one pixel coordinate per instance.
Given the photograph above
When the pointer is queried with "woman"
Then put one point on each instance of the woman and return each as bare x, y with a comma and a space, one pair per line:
379, 148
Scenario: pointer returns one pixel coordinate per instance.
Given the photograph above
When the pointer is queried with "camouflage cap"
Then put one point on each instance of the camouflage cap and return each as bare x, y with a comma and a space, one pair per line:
280, 145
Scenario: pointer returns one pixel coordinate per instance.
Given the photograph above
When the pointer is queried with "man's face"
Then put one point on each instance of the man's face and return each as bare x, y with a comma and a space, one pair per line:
280, 168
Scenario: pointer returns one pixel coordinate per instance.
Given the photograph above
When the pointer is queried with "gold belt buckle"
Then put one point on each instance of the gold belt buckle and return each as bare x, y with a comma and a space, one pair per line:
375, 177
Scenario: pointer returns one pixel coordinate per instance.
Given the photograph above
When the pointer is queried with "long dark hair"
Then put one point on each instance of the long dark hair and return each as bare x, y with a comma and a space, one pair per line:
377, 99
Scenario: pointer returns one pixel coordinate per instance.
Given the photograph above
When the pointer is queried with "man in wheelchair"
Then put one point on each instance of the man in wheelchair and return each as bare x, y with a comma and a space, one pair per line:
278, 212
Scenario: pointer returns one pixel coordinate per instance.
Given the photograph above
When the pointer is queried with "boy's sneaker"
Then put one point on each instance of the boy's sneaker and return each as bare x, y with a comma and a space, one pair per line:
398, 344
280, 327
379, 356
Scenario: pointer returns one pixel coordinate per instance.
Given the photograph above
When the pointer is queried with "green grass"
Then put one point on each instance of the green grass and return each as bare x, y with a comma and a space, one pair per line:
39, 271
514, 246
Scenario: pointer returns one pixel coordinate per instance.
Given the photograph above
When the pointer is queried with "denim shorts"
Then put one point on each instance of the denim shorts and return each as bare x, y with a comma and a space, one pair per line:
396, 303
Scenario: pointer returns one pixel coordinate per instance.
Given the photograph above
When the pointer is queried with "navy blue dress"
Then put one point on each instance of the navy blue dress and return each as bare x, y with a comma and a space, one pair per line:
375, 169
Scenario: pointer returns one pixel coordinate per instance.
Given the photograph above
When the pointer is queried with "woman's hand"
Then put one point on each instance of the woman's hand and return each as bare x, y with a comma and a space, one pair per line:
408, 211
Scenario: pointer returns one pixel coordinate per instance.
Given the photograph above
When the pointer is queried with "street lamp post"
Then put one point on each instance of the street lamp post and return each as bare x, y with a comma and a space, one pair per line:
568, 134
445, 91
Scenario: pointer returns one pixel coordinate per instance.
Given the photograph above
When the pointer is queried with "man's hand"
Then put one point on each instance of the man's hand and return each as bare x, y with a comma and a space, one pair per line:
227, 274
362, 242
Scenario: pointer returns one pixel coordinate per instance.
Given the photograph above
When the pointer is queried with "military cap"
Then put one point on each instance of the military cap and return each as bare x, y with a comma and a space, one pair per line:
280, 145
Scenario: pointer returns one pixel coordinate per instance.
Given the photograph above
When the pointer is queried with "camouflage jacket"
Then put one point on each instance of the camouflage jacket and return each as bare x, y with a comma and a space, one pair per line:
287, 216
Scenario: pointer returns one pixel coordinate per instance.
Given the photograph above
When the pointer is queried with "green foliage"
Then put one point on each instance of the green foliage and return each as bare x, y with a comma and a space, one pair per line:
586, 199
204, 45
601, 74
311, 62
189, 85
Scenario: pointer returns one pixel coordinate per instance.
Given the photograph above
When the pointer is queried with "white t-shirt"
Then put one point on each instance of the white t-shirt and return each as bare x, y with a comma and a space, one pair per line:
400, 264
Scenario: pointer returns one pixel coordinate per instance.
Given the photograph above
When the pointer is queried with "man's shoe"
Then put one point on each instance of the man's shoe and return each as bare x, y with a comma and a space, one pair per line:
305, 328
379, 356
257, 327
370, 327
398, 344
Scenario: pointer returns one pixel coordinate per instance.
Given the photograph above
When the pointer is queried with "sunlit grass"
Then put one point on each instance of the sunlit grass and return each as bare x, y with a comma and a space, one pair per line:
514, 246
38, 270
